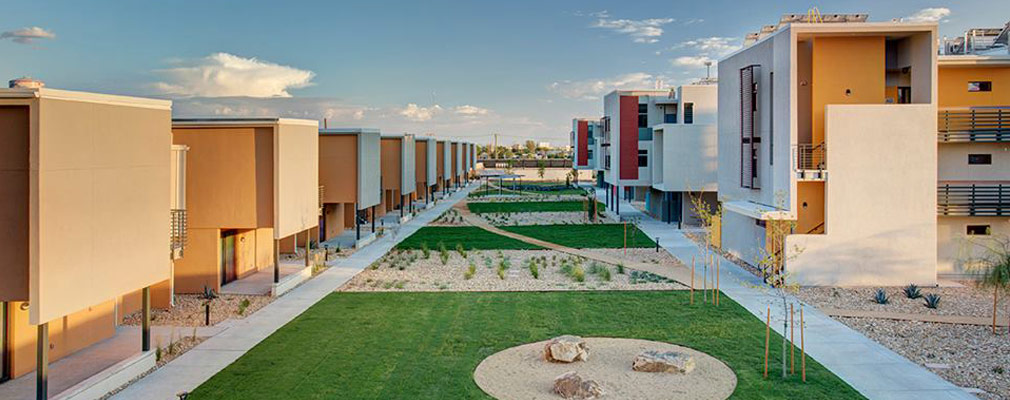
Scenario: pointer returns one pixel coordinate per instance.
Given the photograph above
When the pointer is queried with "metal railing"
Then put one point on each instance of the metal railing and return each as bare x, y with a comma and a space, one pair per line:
973, 199
178, 236
811, 157
991, 124
322, 193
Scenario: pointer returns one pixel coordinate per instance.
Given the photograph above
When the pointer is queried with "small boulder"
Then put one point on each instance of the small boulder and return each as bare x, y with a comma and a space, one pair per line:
571, 386
566, 349
668, 361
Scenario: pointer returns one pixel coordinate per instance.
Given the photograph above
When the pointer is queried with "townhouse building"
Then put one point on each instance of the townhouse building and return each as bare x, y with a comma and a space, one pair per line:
425, 169
443, 164
821, 127
398, 179
627, 145
349, 174
252, 196
584, 139
89, 207
973, 135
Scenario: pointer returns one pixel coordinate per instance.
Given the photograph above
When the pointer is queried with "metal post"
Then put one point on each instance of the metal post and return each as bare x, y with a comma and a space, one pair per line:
308, 248
42, 363
145, 324
401, 206
277, 260
372, 208
357, 222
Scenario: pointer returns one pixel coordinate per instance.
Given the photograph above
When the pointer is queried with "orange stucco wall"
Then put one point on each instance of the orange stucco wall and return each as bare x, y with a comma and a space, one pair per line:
338, 168
201, 265
455, 162
855, 64
14, 197
440, 162
66, 334
811, 194
420, 167
953, 86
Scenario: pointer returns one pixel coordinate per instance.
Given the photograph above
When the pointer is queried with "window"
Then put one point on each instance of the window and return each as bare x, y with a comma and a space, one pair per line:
589, 156
643, 158
643, 115
670, 117
760, 222
980, 159
980, 86
978, 230
750, 138
688, 113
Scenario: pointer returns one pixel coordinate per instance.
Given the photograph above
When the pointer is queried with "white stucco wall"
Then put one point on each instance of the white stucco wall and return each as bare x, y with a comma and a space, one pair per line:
742, 237
953, 162
688, 159
369, 169
880, 216
296, 177
408, 184
955, 249
432, 159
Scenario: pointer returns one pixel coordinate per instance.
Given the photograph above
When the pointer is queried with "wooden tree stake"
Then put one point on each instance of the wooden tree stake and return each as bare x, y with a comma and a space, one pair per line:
792, 341
768, 332
803, 349
692, 280
718, 295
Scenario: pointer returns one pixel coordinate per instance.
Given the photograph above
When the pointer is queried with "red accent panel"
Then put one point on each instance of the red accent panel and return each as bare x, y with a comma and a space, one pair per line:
583, 143
629, 137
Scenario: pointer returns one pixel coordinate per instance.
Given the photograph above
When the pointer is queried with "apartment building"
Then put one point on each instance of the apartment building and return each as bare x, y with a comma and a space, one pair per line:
425, 169
349, 174
685, 161
628, 116
102, 165
443, 161
973, 191
252, 194
456, 163
585, 146
473, 160
398, 180
862, 93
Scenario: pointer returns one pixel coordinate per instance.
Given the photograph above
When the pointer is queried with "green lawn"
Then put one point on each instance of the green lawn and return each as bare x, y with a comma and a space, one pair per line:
525, 206
471, 238
426, 345
591, 236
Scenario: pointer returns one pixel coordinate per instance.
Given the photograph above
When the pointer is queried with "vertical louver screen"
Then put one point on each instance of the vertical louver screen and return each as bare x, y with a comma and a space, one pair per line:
750, 137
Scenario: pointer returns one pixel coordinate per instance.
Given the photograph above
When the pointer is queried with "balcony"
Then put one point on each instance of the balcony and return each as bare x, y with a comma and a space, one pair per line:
178, 233
322, 194
991, 124
973, 199
811, 162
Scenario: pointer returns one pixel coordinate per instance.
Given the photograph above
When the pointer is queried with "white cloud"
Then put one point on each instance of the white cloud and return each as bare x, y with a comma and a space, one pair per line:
641, 31
592, 89
27, 35
933, 14
470, 110
223, 75
712, 46
692, 61
417, 113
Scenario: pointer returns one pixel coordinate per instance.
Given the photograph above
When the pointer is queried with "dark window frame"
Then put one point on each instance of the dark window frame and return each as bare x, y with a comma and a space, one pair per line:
643, 154
978, 230
980, 159
983, 86
688, 113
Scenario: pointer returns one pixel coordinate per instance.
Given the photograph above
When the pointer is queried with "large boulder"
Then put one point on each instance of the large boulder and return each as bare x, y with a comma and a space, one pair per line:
566, 349
667, 361
571, 386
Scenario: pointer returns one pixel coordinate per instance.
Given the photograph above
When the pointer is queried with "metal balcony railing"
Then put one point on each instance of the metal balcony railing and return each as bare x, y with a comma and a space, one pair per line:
811, 157
991, 124
973, 199
178, 236
322, 193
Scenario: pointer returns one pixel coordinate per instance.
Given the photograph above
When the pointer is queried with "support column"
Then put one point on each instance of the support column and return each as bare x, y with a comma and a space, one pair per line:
372, 208
308, 248
277, 261
401, 206
357, 222
42, 363
145, 323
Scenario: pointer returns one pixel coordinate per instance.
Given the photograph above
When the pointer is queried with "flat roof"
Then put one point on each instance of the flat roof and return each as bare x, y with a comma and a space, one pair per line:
99, 98
972, 60
843, 28
348, 131
241, 121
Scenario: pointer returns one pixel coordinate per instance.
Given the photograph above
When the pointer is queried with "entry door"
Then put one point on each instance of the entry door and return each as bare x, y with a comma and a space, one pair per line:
904, 95
227, 256
5, 354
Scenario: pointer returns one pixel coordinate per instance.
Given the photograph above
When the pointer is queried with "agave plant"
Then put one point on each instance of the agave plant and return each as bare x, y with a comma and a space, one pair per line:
912, 291
880, 297
932, 300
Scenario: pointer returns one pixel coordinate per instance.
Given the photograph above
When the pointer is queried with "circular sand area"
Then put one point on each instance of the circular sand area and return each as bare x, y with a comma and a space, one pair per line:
522, 373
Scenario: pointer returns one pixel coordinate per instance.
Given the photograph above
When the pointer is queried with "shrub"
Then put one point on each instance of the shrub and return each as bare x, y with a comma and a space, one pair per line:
425, 250
620, 269
470, 271
578, 274
501, 271
461, 250
912, 291
443, 253
244, 304
534, 269
880, 297
932, 300
399, 285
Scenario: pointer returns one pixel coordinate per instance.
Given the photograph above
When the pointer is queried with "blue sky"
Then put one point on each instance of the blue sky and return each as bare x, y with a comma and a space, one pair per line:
455, 69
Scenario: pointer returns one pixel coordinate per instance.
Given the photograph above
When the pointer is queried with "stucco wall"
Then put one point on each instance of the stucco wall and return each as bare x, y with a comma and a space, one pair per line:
392, 164
953, 86
689, 160
742, 237
953, 162
409, 182
881, 211
338, 168
15, 135
103, 169
956, 250
369, 170
296, 178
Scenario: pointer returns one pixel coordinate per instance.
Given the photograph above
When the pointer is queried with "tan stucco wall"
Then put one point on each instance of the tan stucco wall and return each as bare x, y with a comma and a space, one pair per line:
953, 162
420, 166
104, 170
955, 249
440, 162
391, 164
14, 196
338, 168
335, 223
880, 211
953, 86
66, 334
296, 178
201, 266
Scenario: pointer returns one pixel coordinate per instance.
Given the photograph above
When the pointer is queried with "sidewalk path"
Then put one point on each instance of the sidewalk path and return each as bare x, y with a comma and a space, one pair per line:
872, 369
214, 354
676, 272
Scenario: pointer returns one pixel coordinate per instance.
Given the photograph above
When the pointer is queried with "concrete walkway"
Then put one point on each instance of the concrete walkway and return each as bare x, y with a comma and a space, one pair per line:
202, 362
900, 316
872, 369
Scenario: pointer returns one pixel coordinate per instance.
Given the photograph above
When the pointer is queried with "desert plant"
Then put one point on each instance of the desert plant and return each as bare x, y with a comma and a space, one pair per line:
501, 271
443, 253
620, 268
880, 297
578, 273
208, 293
242, 306
912, 291
425, 250
932, 300
601, 271
399, 284
470, 271
534, 269
993, 266
461, 250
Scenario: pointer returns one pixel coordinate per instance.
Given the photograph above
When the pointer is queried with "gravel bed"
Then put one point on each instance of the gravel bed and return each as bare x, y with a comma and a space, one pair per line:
450, 217
542, 218
429, 274
968, 356
189, 310
525, 198
183, 345
962, 301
